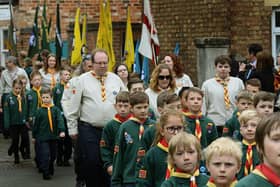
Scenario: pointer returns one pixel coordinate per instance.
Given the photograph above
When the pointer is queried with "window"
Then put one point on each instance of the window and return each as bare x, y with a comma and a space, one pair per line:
3, 45
275, 30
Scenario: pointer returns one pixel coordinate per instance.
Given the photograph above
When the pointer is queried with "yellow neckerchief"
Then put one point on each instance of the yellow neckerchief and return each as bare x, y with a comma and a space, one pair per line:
224, 83
102, 82
211, 183
53, 81
248, 167
19, 101
162, 144
48, 106
141, 126
37, 90
196, 117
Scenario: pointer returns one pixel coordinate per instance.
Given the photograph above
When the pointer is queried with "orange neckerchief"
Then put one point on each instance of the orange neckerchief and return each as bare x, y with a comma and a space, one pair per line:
265, 172
249, 157
141, 126
224, 83
19, 101
102, 82
211, 183
120, 119
163, 145
196, 117
48, 106
181, 174
37, 90
53, 81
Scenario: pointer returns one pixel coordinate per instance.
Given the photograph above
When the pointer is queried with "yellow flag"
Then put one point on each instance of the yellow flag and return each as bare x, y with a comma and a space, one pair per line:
129, 46
84, 35
76, 56
104, 36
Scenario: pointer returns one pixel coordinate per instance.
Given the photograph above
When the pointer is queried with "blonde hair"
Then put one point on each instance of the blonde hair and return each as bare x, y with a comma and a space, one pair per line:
184, 140
247, 115
223, 146
163, 122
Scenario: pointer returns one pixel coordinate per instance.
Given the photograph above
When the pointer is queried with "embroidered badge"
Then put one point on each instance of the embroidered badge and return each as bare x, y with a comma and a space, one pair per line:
235, 134
73, 91
58, 91
29, 97
141, 153
102, 143
116, 149
209, 127
115, 93
128, 138
11, 101
225, 130
142, 174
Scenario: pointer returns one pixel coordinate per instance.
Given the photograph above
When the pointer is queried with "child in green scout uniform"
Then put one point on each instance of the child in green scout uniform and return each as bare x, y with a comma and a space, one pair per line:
128, 141
267, 174
165, 100
15, 116
248, 123
223, 161
244, 101
110, 130
253, 85
48, 126
153, 167
264, 103
200, 126
183, 157
64, 146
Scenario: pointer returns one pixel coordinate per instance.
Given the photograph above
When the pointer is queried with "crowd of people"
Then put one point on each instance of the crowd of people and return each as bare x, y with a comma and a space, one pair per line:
122, 134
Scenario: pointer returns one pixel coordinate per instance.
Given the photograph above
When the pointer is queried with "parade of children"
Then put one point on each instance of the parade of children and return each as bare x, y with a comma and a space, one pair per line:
142, 136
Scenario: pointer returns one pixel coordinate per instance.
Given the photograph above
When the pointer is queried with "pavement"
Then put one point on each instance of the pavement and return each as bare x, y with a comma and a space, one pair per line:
25, 173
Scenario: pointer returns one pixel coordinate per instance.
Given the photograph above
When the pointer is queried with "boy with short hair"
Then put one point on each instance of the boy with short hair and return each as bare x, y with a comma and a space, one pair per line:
244, 101
107, 141
48, 126
267, 139
128, 141
223, 161
264, 103
182, 94
199, 125
64, 146
253, 85
249, 120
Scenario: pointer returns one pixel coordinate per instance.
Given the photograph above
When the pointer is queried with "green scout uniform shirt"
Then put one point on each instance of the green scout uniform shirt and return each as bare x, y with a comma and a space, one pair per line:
153, 168
232, 127
41, 129
32, 102
208, 130
127, 151
57, 95
201, 180
107, 142
253, 180
11, 114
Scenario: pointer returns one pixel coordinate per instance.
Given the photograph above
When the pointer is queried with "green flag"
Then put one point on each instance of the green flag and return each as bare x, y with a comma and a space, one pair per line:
12, 34
33, 40
44, 22
58, 39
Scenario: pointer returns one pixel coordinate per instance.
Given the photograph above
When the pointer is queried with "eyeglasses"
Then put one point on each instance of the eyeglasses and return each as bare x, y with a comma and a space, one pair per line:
122, 70
162, 77
174, 129
101, 63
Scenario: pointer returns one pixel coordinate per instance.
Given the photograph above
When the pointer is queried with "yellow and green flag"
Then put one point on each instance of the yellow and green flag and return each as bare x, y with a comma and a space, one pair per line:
76, 56
129, 45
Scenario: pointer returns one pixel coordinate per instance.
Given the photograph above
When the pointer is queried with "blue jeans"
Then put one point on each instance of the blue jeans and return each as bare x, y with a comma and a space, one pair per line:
89, 156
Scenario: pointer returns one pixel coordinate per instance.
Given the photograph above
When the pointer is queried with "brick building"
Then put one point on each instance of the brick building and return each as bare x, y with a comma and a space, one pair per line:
239, 21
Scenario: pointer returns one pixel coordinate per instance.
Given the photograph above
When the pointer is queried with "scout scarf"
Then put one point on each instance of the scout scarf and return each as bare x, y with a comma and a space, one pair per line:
179, 173
196, 117
121, 119
249, 157
102, 82
19, 101
267, 173
141, 126
211, 183
48, 106
224, 83
37, 90
163, 145
53, 81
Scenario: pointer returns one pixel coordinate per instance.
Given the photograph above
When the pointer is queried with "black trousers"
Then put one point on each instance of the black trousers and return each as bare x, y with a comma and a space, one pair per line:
15, 131
64, 147
47, 155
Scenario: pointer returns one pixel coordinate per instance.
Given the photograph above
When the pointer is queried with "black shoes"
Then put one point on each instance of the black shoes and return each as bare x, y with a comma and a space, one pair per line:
16, 159
10, 152
46, 176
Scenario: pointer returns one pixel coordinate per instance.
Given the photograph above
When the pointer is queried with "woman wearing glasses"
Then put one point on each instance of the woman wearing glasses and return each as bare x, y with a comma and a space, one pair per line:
161, 80
122, 71
182, 79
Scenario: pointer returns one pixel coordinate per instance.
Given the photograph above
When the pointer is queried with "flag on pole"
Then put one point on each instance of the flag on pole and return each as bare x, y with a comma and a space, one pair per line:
149, 44
84, 35
136, 66
129, 46
12, 34
177, 49
34, 40
44, 23
58, 39
104, 35
145, 74
76, 56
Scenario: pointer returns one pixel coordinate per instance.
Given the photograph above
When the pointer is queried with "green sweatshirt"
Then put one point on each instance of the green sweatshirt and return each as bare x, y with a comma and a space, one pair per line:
253, 180
201, 180
57, 95
232, 127
12, 116
152, 169
32, 102
41, 129
127, 151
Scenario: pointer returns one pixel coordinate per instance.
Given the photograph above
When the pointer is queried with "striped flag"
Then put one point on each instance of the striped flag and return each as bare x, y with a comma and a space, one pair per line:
149, 44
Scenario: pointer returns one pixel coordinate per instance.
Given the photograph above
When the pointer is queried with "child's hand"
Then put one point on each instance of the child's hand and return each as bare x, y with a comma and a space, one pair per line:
110, 170
27, 125
33, 140
62, 135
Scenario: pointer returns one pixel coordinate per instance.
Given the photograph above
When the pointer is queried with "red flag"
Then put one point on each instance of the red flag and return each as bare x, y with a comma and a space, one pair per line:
149, 44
